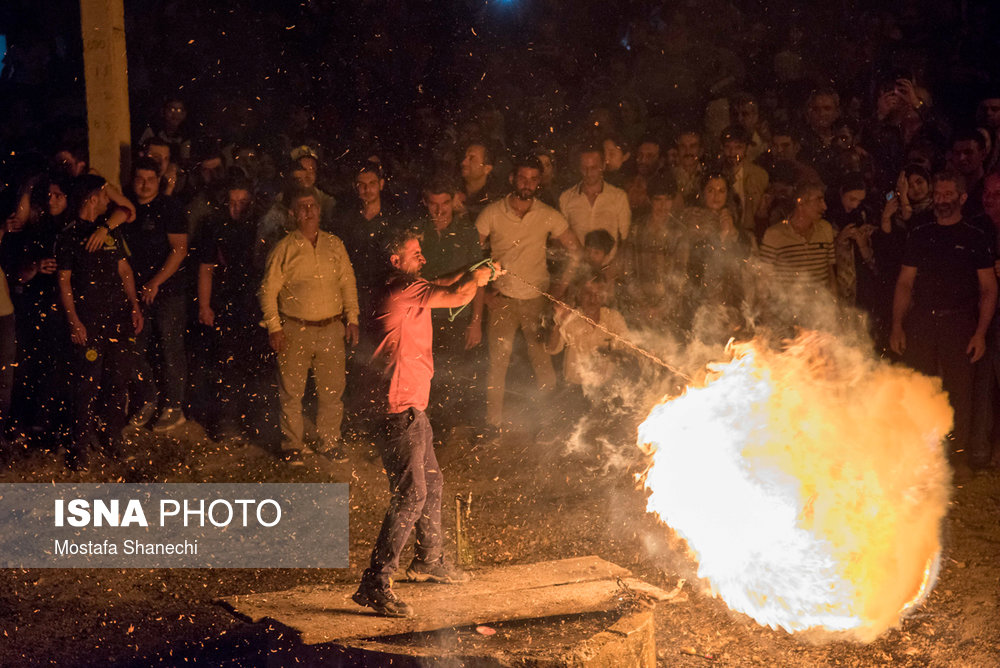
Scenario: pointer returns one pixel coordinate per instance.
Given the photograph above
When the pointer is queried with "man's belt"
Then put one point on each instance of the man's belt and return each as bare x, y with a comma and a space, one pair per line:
310, 323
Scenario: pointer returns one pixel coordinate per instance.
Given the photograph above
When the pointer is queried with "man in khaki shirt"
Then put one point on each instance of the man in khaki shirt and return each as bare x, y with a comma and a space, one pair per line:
310, 304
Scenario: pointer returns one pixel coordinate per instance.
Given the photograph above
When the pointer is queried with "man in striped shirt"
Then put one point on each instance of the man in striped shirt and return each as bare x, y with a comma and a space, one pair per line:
799, 251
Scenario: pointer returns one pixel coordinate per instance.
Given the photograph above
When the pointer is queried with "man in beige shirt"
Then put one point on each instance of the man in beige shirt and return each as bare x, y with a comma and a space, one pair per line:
594, 204
310, 304
517, 228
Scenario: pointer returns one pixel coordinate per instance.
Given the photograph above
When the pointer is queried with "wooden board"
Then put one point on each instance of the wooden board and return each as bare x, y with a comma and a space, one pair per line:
326, 613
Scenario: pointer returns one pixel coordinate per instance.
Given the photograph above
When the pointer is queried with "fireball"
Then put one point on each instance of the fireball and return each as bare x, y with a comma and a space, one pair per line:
809, 483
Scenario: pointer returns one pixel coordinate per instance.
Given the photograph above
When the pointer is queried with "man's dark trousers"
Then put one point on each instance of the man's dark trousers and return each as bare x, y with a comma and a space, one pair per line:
103, 365
936, 342
416, 483
166, 318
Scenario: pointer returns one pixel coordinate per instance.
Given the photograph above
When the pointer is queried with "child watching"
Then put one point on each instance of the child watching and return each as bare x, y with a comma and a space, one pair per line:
587, 360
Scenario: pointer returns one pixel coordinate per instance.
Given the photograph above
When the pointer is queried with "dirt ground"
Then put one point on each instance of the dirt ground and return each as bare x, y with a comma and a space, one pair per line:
531, 502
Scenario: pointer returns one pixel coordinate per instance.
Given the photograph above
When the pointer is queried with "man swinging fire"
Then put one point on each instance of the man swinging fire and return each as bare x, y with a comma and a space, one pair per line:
407, 445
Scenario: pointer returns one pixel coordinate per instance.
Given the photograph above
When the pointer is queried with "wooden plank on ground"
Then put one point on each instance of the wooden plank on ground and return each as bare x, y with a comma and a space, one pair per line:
326, 613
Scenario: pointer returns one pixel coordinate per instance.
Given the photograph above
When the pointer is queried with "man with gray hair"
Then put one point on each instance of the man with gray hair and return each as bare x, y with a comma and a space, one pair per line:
309, 300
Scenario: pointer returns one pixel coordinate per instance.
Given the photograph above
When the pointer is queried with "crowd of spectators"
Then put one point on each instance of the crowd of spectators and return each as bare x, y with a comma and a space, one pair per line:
672, 183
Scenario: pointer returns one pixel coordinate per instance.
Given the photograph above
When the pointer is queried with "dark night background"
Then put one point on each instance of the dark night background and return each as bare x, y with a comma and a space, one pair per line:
366, 68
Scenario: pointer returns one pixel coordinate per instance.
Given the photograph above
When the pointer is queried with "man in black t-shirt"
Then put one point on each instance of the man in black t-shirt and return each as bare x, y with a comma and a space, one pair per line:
984, 452
945, 299
227, 288
156, 243
97, 290
43, 367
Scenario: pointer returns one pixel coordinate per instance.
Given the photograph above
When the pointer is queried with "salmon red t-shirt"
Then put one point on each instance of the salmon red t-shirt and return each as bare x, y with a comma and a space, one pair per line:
405, 350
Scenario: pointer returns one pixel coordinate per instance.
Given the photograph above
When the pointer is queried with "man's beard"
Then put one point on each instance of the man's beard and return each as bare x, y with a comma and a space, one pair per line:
946, 210
525, 194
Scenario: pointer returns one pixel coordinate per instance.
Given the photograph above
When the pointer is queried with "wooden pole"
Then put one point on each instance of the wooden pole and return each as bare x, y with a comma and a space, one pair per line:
102, 24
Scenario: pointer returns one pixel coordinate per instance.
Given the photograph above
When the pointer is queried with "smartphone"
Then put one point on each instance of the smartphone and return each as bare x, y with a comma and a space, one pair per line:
890, 195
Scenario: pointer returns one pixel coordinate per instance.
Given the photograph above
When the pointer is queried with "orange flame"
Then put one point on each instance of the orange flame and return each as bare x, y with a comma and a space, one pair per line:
810, 484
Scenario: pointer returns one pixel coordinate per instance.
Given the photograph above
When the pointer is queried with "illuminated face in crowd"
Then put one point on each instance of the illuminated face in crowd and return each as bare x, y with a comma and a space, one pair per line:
548, 169
146, 185
65, 160
174, 113
305, 211
662, 205
784, 147
714, 194
593, 295
595, 257
614, 156
733, 152
12, 222
211, 169
688, 151
305, 172
101, 200
852, 199
440, 207
918, 189
647, 158
474, 165
161, 154
57, 200
948, 200
990, 110
526, 181
967, 157
822, 111
844, 138
745, 115
239, 203
991, 197
591, 168
811, 205
369, 187
410, 259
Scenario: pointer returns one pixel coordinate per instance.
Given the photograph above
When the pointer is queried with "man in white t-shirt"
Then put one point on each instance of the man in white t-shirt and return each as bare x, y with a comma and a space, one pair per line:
594, 204
517, 229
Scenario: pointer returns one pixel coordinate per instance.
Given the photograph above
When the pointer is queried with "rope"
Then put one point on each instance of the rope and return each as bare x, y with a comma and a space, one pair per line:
617, 337
453, 312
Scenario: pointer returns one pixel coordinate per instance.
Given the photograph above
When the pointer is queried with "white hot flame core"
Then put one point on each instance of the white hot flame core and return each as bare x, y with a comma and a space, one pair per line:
810, 484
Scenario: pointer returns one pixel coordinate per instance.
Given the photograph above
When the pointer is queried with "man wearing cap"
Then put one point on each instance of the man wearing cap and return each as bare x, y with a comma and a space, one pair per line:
309, 301
279, 221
